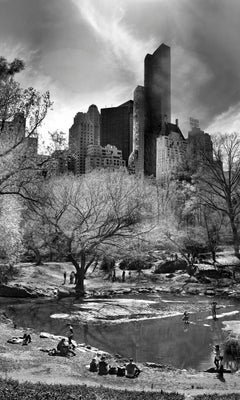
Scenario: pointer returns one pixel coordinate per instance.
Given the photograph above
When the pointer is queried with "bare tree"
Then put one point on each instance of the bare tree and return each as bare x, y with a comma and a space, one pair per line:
219, 181
89, 215
21, 113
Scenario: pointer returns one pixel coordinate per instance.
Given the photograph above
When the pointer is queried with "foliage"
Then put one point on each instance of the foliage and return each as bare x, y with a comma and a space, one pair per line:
13, 390
21, 113
232, 346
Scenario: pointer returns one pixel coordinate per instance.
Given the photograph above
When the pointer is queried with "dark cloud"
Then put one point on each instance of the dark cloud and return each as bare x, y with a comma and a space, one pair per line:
93, 51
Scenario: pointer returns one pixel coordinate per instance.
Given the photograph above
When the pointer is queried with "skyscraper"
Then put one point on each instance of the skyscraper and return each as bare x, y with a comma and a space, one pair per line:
157, 83
136, 159
84, 131
117, 126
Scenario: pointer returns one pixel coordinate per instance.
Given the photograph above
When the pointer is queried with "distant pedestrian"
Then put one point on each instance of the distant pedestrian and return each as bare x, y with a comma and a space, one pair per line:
123, 275
71, 278
70, 334
64, 277
185, 317
214, 310
129, 275
113, 274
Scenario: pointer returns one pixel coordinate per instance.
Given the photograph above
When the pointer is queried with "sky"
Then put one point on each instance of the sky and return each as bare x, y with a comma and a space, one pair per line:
92, 52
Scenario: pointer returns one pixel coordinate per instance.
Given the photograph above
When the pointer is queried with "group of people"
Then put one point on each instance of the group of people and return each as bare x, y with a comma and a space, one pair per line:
72, 278
131, 370
65, 347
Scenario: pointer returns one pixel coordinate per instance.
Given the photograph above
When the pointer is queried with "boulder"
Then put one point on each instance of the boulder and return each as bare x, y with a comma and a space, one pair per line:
192, 289
170, 266
16, 291
62, 293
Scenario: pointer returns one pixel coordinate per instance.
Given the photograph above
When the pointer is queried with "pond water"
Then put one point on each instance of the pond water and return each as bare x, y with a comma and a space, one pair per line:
161, 340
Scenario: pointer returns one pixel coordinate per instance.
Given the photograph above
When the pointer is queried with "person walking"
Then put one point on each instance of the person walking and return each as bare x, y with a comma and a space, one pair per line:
64, 277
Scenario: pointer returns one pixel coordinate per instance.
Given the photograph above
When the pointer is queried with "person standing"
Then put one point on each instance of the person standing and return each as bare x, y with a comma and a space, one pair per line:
70, 335
64, 277
217, 356
214, 310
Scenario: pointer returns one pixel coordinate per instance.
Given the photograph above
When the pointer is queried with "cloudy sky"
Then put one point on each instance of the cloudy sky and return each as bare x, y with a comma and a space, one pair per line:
92, 52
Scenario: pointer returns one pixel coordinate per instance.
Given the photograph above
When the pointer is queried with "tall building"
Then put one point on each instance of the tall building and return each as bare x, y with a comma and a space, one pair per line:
108, 157
157, 83
84, 131
136, 159
199, 146
95, 118
171, 151
117, 126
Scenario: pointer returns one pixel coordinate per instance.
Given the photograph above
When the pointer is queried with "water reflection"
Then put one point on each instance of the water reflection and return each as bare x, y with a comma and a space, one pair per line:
165, 341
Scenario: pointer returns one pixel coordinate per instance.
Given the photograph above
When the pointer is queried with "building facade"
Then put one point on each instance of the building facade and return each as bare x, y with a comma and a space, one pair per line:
117, 128
108, 157
171, 151
199, 147
84, 131
157, 84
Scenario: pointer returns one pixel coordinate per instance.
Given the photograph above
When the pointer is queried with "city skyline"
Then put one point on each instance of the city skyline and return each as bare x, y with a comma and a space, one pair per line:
89, 52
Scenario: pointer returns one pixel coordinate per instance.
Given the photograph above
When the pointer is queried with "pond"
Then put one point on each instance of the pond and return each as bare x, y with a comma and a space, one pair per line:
161, 340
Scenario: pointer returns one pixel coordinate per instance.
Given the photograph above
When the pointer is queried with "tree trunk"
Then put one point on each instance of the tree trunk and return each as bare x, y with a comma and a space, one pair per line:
235, 238
79, 273
38, 257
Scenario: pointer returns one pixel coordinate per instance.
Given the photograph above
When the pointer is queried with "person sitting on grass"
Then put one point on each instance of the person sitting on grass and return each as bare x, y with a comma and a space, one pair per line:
63, 349
132, 371
26, 339
93, 365
103, 366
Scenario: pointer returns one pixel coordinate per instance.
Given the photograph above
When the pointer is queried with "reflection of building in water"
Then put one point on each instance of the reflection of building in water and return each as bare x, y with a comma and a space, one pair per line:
99, 157
171, 151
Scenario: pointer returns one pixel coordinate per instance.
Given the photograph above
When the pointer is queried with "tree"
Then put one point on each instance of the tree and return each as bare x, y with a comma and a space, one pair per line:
11, 246
219, 181
21, 113
90, 215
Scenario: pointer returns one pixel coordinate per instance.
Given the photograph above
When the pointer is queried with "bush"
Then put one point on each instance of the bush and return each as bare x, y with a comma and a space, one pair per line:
231, 347
13, 390
136, 264
7, 272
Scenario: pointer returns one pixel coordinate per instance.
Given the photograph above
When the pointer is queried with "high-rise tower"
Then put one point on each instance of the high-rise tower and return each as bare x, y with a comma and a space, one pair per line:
84, 131
117, 127
157, 83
